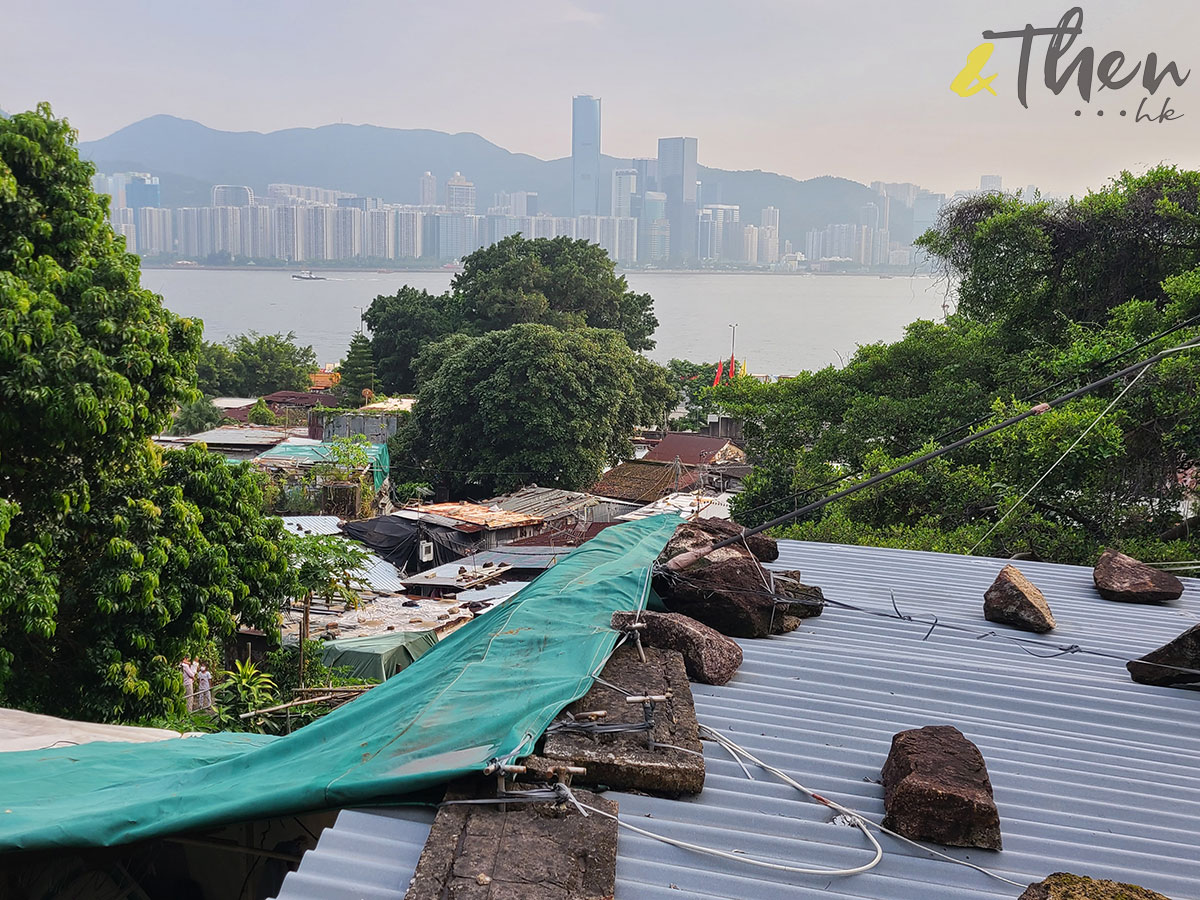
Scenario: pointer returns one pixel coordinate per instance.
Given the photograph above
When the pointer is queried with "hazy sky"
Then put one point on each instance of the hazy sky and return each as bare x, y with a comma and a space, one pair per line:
858, 89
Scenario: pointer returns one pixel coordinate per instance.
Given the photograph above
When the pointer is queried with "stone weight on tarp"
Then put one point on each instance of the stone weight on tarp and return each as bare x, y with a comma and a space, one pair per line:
936, 788
1065, 886
1164, 666
1124, 579
1014, 600
710, 657
693, 535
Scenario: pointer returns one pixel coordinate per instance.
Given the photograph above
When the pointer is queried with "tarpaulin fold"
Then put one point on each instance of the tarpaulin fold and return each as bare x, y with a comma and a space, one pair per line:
484, 692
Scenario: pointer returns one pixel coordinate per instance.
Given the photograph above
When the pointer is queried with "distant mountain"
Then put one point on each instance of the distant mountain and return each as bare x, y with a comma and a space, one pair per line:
189, 158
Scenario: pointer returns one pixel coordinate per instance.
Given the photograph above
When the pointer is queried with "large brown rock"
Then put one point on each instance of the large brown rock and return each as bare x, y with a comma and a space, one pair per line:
1064, 886
1123, 578
692, 535
1014, 600
1162, 666
936, 788
710, 657
727, 590
810, 599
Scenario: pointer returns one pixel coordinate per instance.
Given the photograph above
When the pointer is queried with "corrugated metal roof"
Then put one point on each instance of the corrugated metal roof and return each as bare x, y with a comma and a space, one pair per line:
369, 853
549, 503
1092, 773
693, 449
238, 436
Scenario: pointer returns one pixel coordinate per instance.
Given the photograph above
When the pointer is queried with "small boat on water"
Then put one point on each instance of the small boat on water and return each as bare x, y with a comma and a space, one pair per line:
307, 275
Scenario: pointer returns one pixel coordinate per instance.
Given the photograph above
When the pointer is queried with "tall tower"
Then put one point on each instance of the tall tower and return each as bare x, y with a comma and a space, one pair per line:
677, 173
460, 194
624, 186
585, 156
428, 186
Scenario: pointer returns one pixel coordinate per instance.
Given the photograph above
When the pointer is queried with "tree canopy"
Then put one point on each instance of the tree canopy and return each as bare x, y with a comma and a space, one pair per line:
358, 371
253, 364
1050, 295
559, 282
113, 555
528, 404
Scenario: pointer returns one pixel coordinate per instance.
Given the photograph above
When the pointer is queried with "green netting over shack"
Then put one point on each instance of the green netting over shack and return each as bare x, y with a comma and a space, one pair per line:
485, 692
304, 455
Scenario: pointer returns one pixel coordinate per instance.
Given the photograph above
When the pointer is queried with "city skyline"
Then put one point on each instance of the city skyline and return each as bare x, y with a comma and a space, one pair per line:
788, 97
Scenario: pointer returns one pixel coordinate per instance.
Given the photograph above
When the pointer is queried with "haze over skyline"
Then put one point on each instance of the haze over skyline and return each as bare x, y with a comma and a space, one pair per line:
860, 92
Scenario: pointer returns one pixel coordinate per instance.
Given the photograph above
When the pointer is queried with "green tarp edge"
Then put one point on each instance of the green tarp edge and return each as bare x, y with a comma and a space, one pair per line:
485, 692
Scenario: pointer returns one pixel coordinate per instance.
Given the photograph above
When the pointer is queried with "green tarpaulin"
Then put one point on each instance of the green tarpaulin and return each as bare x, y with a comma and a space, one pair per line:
485, 692
314, 454
378, 656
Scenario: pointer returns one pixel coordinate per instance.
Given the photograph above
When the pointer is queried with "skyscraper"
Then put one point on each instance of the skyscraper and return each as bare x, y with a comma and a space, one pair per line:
142, 190
460, 195
991, 183
585, 155
232, 195
428, 187
770, 217
624, 186
677, 171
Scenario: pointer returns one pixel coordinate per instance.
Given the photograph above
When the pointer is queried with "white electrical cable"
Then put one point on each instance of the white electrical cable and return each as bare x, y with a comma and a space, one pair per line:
736, 750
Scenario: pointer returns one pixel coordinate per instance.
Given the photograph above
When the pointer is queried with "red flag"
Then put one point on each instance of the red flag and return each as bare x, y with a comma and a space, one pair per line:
720, 369
732, 370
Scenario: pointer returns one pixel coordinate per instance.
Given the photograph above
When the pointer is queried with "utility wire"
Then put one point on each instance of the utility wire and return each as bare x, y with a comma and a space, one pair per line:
961, 442
1038, 393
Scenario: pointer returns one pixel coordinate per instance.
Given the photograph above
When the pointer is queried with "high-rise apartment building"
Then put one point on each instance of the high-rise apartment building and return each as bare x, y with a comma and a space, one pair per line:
142, 190
624, 186
723, 240
677, 171
585, 155
647, 174
770, 218
991, 183
427, 187
460, 196
232, 195
409, 227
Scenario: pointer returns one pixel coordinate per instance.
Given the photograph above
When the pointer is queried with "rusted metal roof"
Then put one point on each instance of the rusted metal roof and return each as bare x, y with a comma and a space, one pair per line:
694, 450
477, 514
304, 399
549, 503
642, 481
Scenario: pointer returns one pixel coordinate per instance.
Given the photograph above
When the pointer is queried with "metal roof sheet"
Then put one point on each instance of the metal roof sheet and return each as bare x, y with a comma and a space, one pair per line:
381, 575
692, 449
549, 503
1092, 773
237, 436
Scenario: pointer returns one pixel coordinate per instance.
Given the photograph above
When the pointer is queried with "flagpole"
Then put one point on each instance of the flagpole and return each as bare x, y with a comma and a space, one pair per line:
733, 340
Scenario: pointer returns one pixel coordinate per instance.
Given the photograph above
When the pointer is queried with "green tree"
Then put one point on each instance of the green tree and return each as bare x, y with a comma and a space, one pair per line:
1050, 296
114, 557
199, 415
401, 325
261, 414
253, 364
530, 404
556, 281
328, 567
358, 371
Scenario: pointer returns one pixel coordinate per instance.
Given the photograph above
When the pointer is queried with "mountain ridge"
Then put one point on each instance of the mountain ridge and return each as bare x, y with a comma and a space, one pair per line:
374, 160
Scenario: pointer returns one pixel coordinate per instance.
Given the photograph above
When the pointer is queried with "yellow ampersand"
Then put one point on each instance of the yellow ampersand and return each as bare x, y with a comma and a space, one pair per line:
970, 80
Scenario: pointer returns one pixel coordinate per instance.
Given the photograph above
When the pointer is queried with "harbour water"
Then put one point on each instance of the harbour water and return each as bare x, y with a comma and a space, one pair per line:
785, 323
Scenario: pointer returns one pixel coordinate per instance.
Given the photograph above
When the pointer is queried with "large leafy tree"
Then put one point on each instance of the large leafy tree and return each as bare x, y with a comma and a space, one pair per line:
560, 282
253, 364
529, 404
112, 555
556, 281
1050, 296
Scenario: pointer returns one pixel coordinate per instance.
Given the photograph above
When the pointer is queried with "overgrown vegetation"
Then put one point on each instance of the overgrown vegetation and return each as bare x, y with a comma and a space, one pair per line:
1050, 297
254, 364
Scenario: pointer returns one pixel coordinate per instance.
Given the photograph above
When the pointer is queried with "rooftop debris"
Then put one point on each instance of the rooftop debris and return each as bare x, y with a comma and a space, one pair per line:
538, 851
1175, 662
710, 657
1124, 579
642, 482
1014, 600
936, 788
636, 757
475, 514
1065, 886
